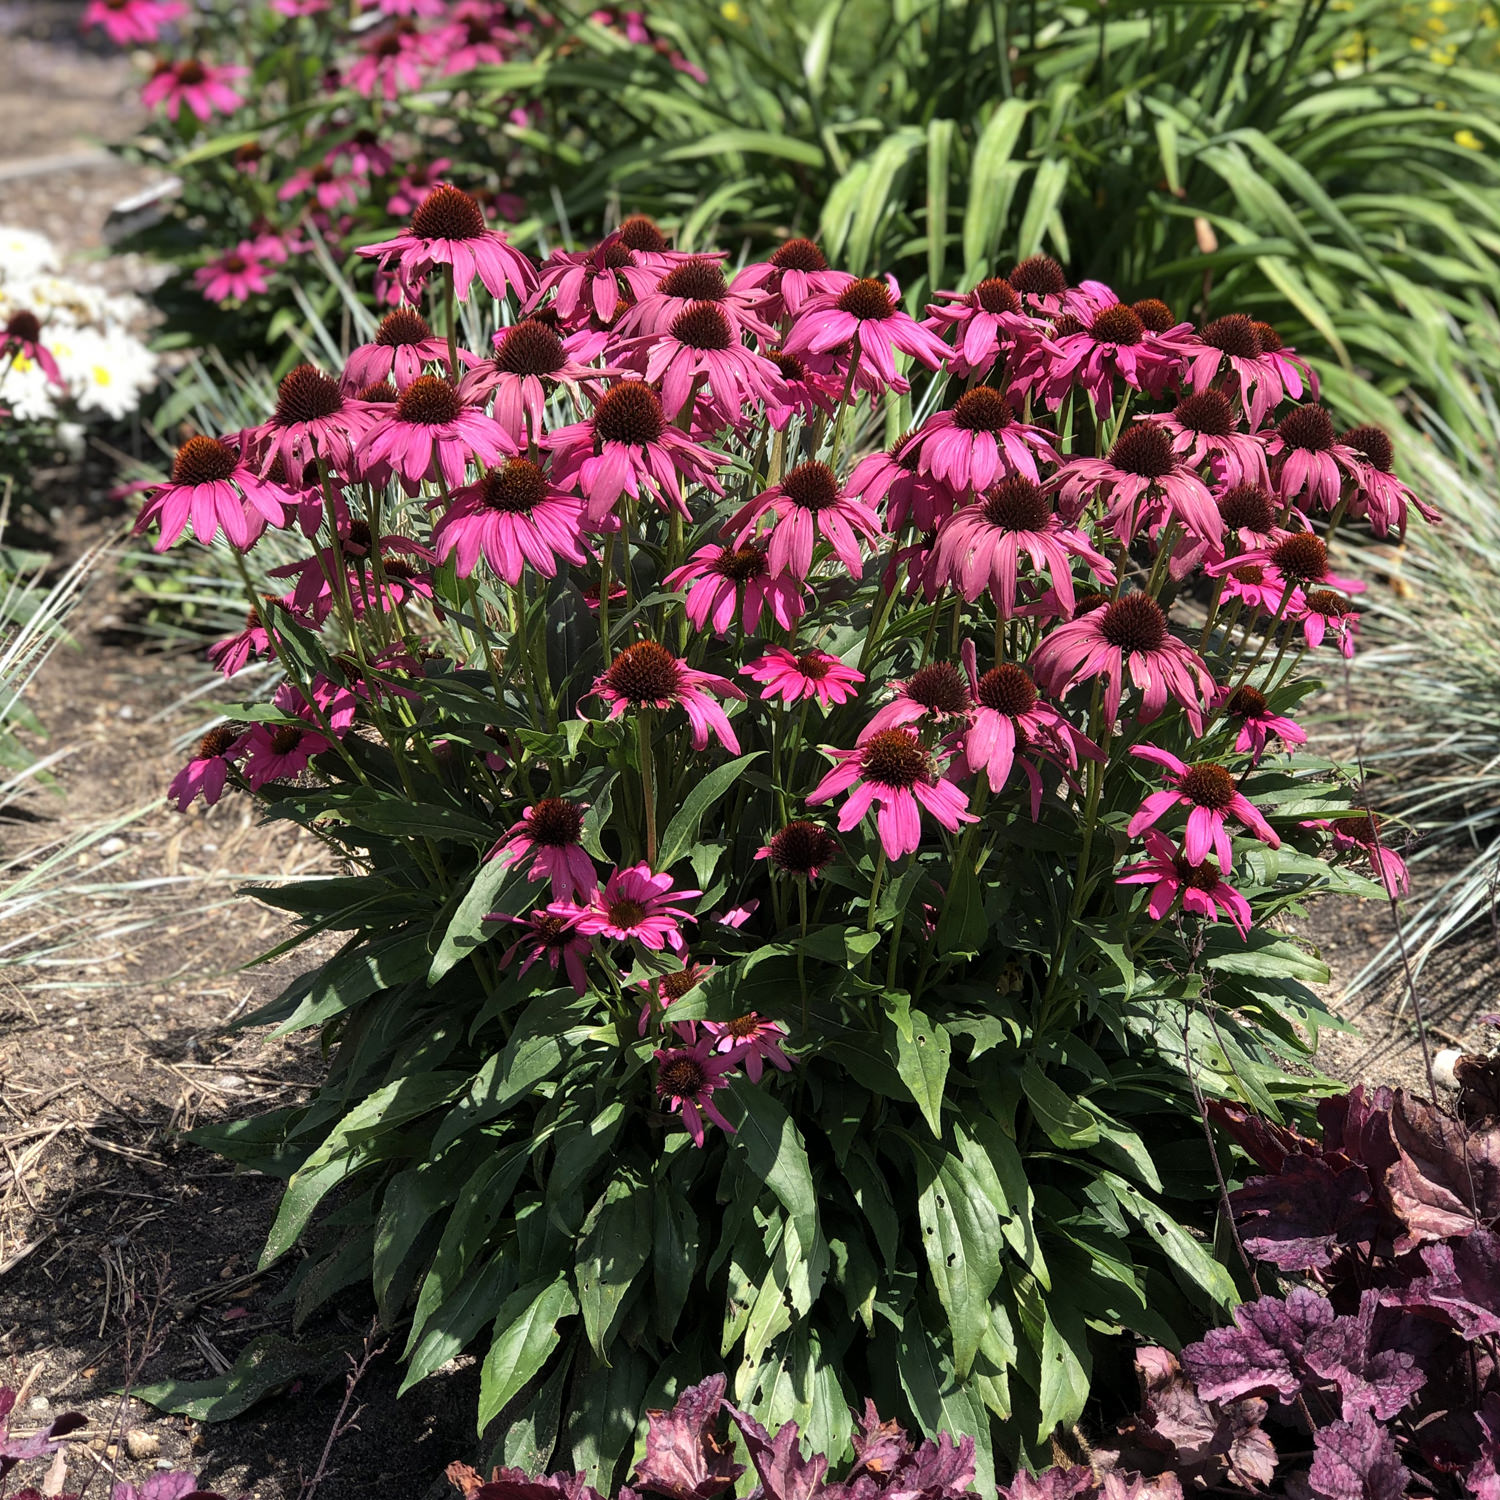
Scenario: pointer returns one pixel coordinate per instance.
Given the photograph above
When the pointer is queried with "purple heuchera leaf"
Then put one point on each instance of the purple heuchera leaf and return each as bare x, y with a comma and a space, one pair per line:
1369, 1377
1483, 1480
878, 1446
1462, 1284
1446, 1179
784, 1474
1357, 1125
1298, 1218
177, 1485
1262, 1353
684, 1459
1267, 1145
1357, 1460
1051, 1484
517, 1484
1137, 1487
938, 1470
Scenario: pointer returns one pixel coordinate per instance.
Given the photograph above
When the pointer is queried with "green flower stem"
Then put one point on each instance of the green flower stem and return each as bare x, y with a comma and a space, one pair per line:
450, 300
643, 743
801, 956
843, 409
604, 582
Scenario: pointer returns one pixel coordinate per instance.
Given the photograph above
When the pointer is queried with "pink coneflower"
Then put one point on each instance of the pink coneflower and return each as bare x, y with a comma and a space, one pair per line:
795, 271
1130, 636
1307, 460
628, 447
448, 230
1010, 725
1258, 724
663, 990
752, 1040
1114, 345
932, 697
293, 9
1201, 885
736, 578
313, 594
21, 338
203, 87
236, 275
549, 831
433, 433
1359, 832
986, 324
551, 933
331, 189
477, 36
980, 547
277, 752
647, 675
1379, 496
1234, 346
698, 348
512, 517
529, 359
205, 774
908, 494
1255, 584
1326, 612
1212, 795
868, 314
895, 772
233, 653
312, 420
1040, 282
131, 23
597, 282
420, 179
800, 849
686, 1078
806, 505
813, 674
391, 63
1248, 514
212, 487
1300, 557
1145, 485
364, 154
693, 279
978, 439
1205, 430
808, 392
403, 346
637, 904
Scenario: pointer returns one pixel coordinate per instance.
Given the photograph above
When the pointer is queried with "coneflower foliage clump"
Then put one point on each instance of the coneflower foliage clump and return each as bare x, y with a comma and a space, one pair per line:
800, 880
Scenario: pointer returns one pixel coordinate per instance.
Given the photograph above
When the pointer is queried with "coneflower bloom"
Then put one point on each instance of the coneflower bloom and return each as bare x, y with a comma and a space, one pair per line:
628, 447
1040, 282
1258, 725
21, 338
1201, 885
933, 696
276, 752
331, 189
637, 904
433, 433
647, 675
1307, 460
751, 1040
313, 594
1379, 496
867, 313
698, 347
813, 674
893, 477
1211, 795
894, 772
794, 271
233, 653
691, 279
800, 849
130, 23
1291, 369
1010, 725
980, 547
529, 359
1205, 430
1128, 636
979, 438
1248, 513
1114, 346
1324, 611
1359, 832
686, 1078
448, 229
202, 87
312, 421
403, 346
205, 774
512, 517
391, 62
549, 832
1299, 557
664, 989
806, 505
807, 389
212, 487
597, 282
234, 276
551, 933
736, 578
1255, 584
1145, 485
986, 325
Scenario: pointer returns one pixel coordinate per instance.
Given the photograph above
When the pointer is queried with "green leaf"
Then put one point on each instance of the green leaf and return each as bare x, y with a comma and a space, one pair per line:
1065, 1367
613, 1248
674, 1256
529, 1441
1067, 1123
266, 1365
993, 176
922, 1062
751, 142
1016, 1224
451, 1328
507, 1076
942, 1402
1187, 1259
940, 138
606, 1402
682, 831
1046, 193
343, 982
525, 1335
494, 881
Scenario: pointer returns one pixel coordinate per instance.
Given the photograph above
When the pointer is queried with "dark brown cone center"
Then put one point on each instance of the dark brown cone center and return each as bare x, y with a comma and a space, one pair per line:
1007, 689
812, 486
429, 401
304, 395
1039, 275
1145, 449
940, 689
402, 327
529, 348
1208, 785
866, 299
799, 255
700, 279
554, 823
1117, 325
448, 213
1234, 334
894, 758
644, 673
203, 460
983, 409
629, 413
516, 490
1016, 504
1134, 623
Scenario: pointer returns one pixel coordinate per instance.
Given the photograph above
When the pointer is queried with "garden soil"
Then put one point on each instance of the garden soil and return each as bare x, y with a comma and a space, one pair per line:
127, 1256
